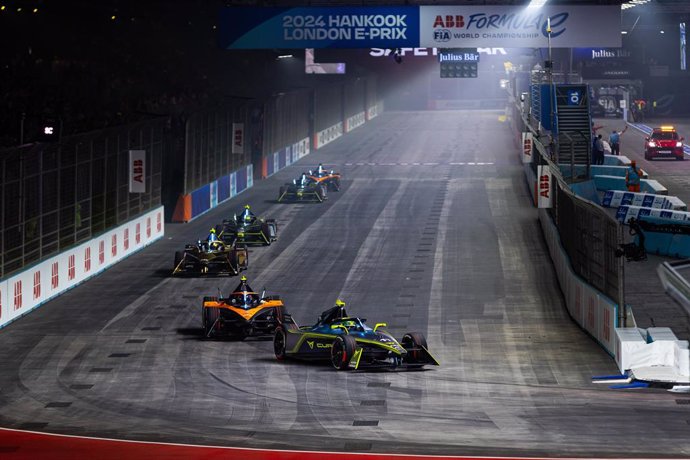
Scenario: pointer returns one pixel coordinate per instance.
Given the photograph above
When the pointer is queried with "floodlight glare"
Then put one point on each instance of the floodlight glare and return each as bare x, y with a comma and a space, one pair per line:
536, 3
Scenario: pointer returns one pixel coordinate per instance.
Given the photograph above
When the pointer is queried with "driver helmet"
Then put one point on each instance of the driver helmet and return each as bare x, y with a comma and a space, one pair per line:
339, 303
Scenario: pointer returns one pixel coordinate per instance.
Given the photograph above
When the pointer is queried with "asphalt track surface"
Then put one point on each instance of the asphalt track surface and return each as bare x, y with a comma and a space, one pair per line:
433, 231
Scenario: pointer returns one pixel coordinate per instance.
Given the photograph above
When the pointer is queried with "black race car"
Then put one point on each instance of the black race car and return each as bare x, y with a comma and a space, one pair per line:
246, 228
211, 258
304, 189
242, 314
347, 342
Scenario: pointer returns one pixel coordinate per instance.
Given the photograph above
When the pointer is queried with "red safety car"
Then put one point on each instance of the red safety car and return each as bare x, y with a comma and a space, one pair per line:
664, 143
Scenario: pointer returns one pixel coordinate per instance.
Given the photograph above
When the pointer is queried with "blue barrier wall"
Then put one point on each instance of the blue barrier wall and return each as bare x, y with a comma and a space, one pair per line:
224, 188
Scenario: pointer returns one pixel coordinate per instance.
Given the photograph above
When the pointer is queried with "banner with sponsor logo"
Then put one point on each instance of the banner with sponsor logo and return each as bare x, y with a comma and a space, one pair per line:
137, 171
420, 26
544, 187
527, 147
319, 27
238, 138
517, 26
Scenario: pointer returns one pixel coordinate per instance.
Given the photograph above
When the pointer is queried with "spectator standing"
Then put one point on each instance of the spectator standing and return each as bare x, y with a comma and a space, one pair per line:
614, 141
632, 178
598, 150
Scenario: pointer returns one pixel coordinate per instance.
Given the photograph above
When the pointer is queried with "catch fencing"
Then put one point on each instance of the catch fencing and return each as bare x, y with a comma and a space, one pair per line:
56, 195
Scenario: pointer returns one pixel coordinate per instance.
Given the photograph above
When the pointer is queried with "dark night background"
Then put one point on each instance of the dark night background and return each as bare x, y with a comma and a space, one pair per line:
94, 64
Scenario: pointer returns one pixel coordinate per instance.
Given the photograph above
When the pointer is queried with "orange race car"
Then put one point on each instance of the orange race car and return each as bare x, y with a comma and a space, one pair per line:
242, 314
330, 179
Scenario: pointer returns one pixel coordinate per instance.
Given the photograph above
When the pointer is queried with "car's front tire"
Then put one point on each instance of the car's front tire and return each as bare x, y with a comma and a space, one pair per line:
211, 315
413, 342
280, 343
342, 350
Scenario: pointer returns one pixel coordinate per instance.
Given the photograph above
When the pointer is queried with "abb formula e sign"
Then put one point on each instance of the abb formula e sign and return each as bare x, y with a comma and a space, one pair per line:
520, 27
23, 292
420, 26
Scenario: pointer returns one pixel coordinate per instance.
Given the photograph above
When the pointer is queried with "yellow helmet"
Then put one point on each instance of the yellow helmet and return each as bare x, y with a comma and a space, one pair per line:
339, 303
244, 278
246, 206
213, 230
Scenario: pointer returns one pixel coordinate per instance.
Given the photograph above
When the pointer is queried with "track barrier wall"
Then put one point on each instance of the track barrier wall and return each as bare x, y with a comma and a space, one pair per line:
192, 205
25, 291
284, 157
593, 311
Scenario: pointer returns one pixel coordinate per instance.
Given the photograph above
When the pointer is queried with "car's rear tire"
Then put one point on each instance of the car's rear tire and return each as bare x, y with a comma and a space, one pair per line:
413, 341
280, 343
342, 351
211, 315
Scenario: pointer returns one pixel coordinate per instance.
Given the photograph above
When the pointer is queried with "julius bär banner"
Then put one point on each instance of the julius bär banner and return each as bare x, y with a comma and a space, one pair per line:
314, 27
518, 27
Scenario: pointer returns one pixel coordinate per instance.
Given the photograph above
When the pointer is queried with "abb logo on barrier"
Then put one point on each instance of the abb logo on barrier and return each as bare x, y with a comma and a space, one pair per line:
17, 295
607, 325
113, 246
87, 260
126, 239
37, 285
527, 146
158, 222
544, 185
101, 252
590, 313
137, 233
71, 272
148, 227
54, 275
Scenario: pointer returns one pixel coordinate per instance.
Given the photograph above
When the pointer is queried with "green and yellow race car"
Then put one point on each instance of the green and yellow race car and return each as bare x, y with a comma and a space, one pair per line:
347, 342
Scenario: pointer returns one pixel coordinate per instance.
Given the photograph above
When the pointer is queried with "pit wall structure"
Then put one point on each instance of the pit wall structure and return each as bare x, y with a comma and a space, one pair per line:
29, 289
653, 355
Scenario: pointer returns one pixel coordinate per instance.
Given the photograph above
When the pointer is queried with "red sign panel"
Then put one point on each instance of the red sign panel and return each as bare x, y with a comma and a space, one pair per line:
18, 295
71, 272
87, 260
54, 275
37, 285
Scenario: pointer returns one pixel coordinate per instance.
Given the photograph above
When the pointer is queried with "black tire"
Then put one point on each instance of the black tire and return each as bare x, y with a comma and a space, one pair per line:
412, 341
210, 316
179, 255
280, 343
342, 350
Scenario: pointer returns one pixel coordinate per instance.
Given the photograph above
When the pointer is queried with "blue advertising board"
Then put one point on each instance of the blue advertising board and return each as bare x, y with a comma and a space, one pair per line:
319, 27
